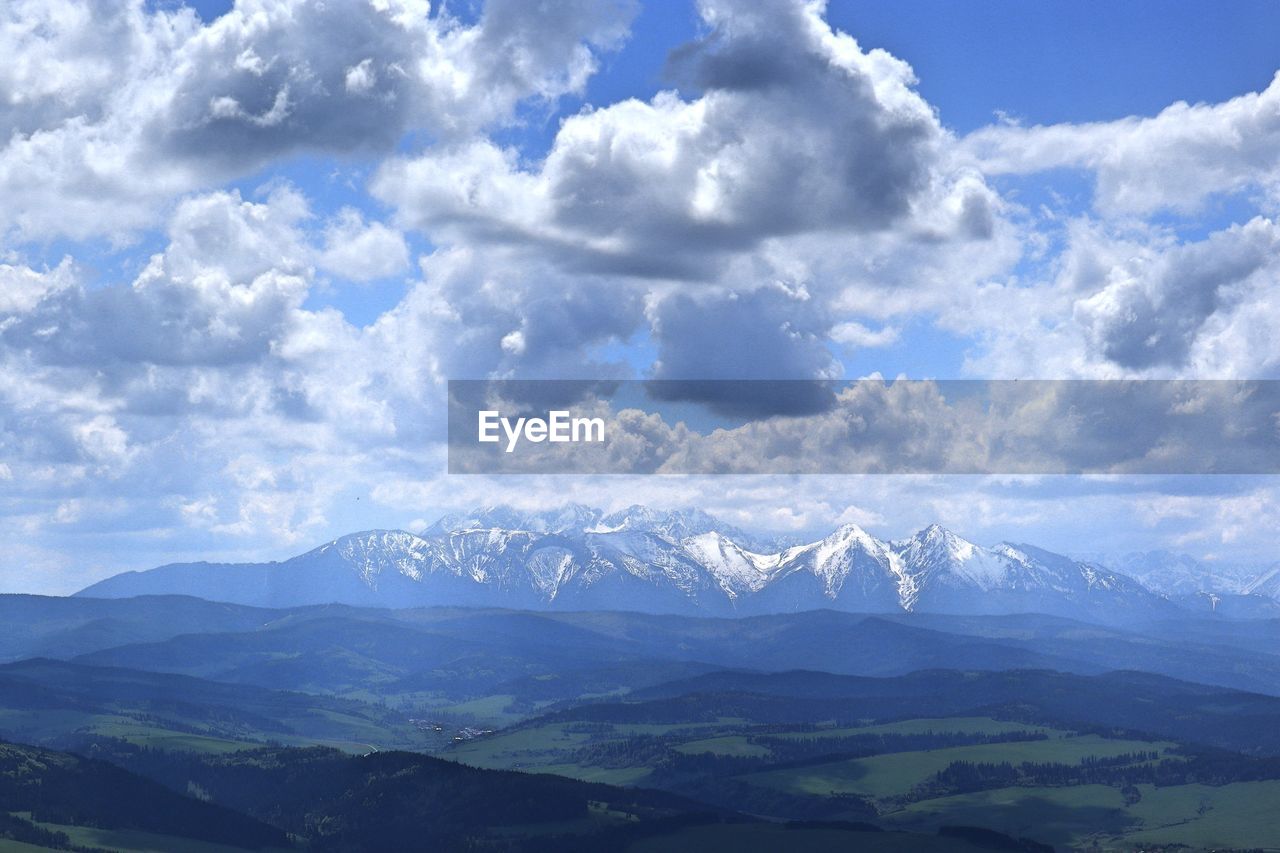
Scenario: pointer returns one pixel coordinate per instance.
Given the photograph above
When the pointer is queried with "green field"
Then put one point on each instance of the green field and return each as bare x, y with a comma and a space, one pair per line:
607, 775
968, 725
1237, 816
39, 726
315, 727
1242, 815
544, 748
536, 746
124, 840
488, 710
736, 745
1059, 816
884, 776
551, 748
9, 846
697, 730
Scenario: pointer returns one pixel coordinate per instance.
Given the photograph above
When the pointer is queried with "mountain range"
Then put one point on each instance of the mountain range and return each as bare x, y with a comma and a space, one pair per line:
647, 560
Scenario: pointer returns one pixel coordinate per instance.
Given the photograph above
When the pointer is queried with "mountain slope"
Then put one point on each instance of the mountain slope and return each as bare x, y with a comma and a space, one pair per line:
1156, 705
54, 703
1177, 574
60, 788
58, 627
1266, 584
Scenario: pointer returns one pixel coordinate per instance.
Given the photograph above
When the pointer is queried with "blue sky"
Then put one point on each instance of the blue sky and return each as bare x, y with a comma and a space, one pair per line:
244, 247
1058, 61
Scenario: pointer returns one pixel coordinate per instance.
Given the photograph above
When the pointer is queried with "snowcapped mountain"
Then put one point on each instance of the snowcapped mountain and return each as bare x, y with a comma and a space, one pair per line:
1234, 591
739, 572
576, 557
956, 576
680, 525
849, 569
1180, 574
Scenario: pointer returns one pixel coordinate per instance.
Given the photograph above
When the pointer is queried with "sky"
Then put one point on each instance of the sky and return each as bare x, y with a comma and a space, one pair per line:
244, 246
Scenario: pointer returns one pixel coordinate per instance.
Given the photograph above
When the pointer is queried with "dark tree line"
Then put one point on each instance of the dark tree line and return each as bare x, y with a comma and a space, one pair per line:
1124, 771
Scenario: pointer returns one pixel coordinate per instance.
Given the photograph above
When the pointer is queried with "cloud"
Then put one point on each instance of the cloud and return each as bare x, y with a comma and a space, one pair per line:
121, 107
361, 251
853, 333
22, 288
766, 334
1152, 308
794, 129
791, 170
218, 294
789, 200
1172, 161
65, 58
103, 441
464, 318
1135, 301
148, 391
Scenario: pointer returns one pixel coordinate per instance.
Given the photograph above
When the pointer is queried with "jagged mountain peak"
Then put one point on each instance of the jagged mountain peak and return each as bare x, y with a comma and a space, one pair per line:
674, 523
574, 518
848, 538
936, 544
848, 557
569, 517
937, 535
850, 530
737, 570
388, 543
661, 560
936, 556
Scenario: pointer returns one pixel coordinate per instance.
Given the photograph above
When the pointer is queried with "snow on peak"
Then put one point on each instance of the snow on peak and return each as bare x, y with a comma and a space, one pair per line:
937, 551
569, 518
373, 552
937, 536
847, 549
1267, 583
694, 551
734, 568
577, 556
849, 537
675, 525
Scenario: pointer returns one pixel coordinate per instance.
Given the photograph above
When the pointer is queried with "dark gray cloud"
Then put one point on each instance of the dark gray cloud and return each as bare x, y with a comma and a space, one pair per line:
351, 76
1150, 311
767, 334
792, 128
